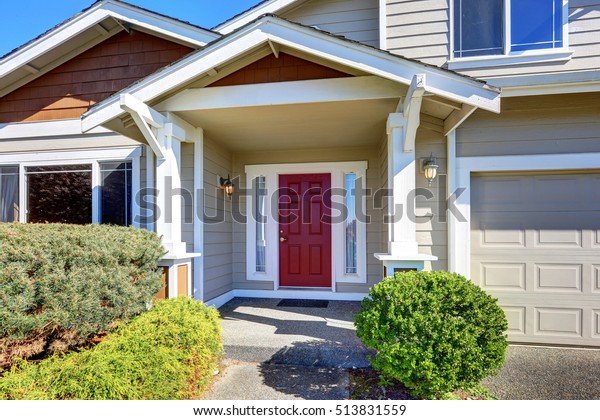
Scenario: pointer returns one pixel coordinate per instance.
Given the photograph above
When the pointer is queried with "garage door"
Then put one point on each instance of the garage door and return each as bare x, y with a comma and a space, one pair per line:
535, 243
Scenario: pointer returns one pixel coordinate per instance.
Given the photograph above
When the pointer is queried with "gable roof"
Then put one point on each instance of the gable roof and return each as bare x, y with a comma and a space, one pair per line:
253, 13
271, 29
86, 29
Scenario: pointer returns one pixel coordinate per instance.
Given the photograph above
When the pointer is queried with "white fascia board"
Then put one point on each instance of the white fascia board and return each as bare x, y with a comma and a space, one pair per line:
268, 7
161, 24
549, 84
30, 52
283, 93
379, 63
148, 20
584, 87
179, 74
41, 129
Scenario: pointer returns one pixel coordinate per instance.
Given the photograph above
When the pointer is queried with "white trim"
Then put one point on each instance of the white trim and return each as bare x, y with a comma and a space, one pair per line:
271, 173
284, 294
150, 170
145, 20
510, 58
584, 87
363, 58
383, 24
68, 156
96, 188
198, 288
459, 253
81, 157
135, 187
450, 189
254, 13
283, 93
96, 14
70, 127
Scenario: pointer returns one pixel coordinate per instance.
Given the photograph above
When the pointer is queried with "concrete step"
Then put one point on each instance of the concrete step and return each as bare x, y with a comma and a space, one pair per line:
303, 354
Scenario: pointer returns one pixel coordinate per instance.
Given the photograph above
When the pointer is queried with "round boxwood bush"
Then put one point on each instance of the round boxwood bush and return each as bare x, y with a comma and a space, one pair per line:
435, 332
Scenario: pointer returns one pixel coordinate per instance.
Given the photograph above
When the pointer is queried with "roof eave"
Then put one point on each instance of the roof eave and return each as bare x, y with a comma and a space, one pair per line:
476, 93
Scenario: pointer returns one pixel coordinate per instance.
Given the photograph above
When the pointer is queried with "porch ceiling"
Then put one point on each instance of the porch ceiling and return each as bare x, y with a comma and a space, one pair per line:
294, 126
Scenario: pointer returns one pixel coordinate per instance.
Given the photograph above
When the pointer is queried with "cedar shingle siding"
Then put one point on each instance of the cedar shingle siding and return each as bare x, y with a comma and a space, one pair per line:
286, 68
70, 89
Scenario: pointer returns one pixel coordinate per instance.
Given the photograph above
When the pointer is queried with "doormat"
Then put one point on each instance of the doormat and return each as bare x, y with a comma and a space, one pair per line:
303, 303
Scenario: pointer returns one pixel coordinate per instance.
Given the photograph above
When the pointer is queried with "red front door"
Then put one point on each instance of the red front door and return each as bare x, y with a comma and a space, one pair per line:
305, 230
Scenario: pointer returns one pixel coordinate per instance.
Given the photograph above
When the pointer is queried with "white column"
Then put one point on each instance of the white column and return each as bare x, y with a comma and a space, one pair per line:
451, 187
168, 174
198, 286
402, 175
150, 167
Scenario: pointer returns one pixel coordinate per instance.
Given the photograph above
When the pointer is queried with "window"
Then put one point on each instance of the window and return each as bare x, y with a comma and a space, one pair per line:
65, 193
115, 193
495, 27
59, 194
9, 193
351, 251
260, 201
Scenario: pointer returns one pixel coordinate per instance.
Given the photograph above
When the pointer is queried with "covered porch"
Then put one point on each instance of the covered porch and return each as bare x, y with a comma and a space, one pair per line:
306, 126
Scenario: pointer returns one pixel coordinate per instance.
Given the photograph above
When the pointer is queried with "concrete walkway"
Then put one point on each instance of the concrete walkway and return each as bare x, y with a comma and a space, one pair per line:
287, 353
277, 353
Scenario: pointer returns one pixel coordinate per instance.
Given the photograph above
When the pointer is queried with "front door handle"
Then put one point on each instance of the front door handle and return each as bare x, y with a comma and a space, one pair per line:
282, 239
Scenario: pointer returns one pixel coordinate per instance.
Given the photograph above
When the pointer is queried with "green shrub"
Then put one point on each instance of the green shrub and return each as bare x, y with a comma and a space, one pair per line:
170, 352
434, 331
62, 284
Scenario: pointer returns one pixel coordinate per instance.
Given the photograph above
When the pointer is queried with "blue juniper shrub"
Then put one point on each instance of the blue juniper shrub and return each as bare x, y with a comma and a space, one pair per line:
435, 332
61, 285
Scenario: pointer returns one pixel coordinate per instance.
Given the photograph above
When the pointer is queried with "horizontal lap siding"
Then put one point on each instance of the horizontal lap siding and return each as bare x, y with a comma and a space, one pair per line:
218, 260
432, 228
354, 19
419, 29
558, 124
71, 88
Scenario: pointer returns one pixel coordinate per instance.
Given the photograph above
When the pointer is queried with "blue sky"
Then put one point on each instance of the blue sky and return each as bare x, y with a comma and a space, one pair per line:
23, 20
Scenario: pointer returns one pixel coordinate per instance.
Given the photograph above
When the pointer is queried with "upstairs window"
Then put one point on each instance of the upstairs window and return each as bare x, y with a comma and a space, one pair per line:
495, 27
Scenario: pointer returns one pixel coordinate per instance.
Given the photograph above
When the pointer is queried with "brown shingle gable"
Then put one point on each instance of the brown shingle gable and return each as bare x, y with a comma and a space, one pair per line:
286, 68
70, 89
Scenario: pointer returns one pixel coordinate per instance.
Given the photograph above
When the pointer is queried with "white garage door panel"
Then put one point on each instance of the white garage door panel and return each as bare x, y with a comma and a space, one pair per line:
535, 244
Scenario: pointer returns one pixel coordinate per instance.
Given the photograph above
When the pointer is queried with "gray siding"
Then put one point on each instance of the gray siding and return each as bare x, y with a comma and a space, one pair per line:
558, 124
354, 19
187, 185
218, 258
432, 231
420, 29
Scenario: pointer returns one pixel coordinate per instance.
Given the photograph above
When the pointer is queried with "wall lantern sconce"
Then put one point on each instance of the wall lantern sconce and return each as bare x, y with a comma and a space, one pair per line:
430, 168
227, 186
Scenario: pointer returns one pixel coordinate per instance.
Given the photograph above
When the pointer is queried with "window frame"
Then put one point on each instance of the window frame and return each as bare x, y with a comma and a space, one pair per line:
509, 58
87, 157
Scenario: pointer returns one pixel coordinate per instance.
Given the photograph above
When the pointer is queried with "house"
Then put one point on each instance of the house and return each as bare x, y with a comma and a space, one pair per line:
283, 153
